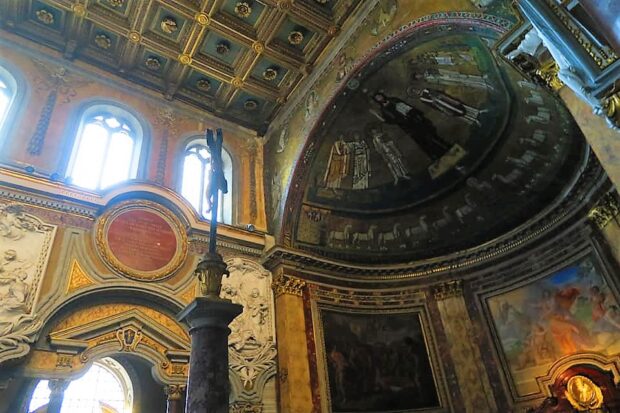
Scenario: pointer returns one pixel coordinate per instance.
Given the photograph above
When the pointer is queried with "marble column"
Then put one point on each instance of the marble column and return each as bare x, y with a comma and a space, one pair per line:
57, 395
470, 370
208, 387
295, 387
174, 398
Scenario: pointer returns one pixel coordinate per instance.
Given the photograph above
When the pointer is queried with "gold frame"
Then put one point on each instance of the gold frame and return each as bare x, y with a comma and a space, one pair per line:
429, 342
108, 257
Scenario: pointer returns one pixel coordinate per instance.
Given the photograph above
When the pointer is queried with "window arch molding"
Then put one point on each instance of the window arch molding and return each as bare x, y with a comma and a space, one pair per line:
198, 137
77, 122
19, 88
91, 387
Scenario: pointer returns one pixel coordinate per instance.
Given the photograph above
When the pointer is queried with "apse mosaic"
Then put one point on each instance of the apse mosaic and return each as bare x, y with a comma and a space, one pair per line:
434, 146
570, 311
377, 362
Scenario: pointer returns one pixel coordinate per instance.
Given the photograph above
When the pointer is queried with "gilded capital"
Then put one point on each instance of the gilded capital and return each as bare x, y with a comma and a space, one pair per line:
285, 284
548, 72
611, 109
606, 209
448, 290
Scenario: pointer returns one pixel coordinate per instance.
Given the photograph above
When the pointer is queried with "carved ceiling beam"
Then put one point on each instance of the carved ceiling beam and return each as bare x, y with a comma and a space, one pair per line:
195, 38
311, 17
182, 7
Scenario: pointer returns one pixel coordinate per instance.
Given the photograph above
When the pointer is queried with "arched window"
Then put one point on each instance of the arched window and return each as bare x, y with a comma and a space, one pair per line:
7, 95
105, 388
106, 150
195, 178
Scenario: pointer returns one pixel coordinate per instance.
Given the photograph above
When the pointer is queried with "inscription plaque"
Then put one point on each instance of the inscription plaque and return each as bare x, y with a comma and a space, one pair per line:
142, 240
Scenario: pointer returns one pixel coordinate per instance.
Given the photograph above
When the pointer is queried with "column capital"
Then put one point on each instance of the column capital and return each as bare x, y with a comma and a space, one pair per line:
58, 385
606, 209
209, 312
174, 391
448, 289
285, 284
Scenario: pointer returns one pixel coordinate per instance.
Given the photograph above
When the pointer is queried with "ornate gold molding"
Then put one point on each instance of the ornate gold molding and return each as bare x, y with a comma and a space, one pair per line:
448, 290
78, 278
175, 225
285, 284
606, 209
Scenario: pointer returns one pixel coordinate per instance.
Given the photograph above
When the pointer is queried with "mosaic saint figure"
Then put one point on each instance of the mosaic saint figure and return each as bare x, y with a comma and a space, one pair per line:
390, 154
451, 77
337, 165
413, 122
361, 162
448, 105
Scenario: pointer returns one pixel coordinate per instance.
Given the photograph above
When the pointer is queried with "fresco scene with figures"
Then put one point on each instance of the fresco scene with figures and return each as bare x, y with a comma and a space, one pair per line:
420, 144
570, 311
309, 206
377, 362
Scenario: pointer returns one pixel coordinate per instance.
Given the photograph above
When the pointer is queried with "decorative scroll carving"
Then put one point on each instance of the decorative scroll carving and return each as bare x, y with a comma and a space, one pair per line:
605, 210
25, 243
245, 407
251, 344
285, 284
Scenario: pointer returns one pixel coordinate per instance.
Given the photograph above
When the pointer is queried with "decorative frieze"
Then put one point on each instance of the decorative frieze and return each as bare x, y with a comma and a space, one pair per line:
285, 284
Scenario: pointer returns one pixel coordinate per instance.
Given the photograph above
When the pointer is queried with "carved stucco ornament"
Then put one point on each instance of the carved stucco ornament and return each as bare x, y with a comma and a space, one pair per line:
251, 345
103, 41
45, 17
243, 9
25, 245
168, 25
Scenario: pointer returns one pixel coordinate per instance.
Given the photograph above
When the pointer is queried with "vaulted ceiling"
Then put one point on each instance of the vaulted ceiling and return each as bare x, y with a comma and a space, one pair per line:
239, 59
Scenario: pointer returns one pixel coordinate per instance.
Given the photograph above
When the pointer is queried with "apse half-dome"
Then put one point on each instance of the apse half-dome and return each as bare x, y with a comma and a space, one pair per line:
434, 146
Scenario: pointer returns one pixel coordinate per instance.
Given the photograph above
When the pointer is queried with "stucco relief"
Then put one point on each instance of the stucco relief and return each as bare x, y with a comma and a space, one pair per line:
25, 244
251, 343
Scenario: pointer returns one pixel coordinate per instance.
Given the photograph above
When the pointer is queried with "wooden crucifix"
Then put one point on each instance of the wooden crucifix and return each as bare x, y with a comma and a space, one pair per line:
217, 182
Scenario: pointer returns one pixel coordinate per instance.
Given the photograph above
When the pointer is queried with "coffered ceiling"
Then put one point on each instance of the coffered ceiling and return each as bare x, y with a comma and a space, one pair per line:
240, 59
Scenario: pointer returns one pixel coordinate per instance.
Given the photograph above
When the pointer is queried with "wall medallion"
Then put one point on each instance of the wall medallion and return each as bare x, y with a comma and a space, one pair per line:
141, 240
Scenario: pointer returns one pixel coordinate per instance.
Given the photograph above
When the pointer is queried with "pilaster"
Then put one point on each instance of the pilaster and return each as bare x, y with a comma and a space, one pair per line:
470, 371
295, 395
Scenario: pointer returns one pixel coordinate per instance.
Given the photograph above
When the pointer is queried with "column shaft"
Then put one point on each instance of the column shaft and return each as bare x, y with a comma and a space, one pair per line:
57, 395
208, 386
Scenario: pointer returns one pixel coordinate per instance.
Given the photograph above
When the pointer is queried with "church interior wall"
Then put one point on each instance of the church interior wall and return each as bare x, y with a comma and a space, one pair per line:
310, 324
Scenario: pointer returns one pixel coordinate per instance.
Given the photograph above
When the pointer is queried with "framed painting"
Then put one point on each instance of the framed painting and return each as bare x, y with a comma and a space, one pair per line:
375, 361
570, 310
